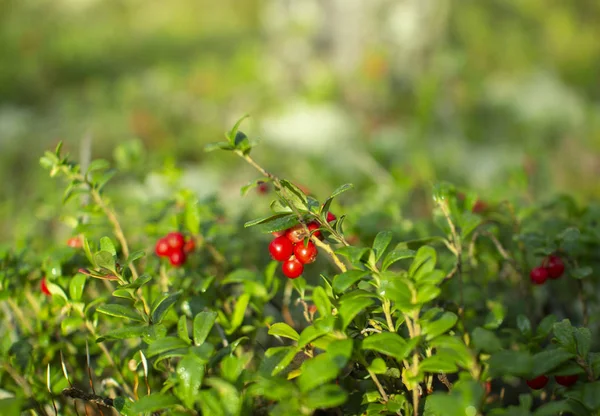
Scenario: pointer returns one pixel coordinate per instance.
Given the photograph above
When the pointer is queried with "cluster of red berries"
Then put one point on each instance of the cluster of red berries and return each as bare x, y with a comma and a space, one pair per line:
541, 381
552, 267
289, 248
175, 247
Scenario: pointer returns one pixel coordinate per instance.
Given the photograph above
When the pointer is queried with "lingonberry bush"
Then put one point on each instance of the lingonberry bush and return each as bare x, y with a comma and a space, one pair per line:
484, 308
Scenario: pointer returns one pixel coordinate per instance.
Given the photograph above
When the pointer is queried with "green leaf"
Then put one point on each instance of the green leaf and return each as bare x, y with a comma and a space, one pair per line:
548, 360
555, 408
345, 187
295, 194
432, 278
309, 334
137, 283
210, 147
468, 223
378, 366
210, 403
398, 291
124, 333
203, 323
192, 218
182, 329
165, 344
395, 256
279, 224
285, 360
340, 351
343, 281
136, 255
381, 243
229, 395
190, 373
316, 372
582, 272
484, 340
354, 254
162, 305
326, 397
508, 362
121, 311
569, 235
268, 219
107, 245
545, 326
76, 286
591, 395
284, 330
427, 293
98, 164
105, 260
439, 363
387, 343
350, 308
423, 263
238, 313
232, 366
153, 403
583, 339
232, 134
524, 325
463, 355
321, 301
432, 329
563, 332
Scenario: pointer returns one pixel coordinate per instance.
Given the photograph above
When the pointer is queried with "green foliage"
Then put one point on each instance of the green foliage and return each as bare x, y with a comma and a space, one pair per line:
419, 324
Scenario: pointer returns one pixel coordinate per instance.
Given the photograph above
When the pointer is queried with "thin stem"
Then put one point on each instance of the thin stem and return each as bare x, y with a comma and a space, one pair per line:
21, 381
112, 217
19, 314
101, 345
326, 248
457, 245
388, 316
285, 308
384, 395
415, 367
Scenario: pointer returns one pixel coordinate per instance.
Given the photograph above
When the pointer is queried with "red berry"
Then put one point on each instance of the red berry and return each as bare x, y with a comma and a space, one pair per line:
189, 246
314, 226
162, 247
177, 258
175, 240
295, 234
279, 233
292, 268
554, 266
539, 275
305, 253
281, 248
262, 187
75, 242
538, 382
331, 217
479, 206
44, 287
567, 380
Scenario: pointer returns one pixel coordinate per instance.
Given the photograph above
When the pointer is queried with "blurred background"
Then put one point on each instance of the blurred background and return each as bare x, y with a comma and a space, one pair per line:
501, 96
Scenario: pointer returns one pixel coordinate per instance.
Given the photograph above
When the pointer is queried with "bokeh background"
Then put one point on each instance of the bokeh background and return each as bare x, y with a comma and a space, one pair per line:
499, 96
